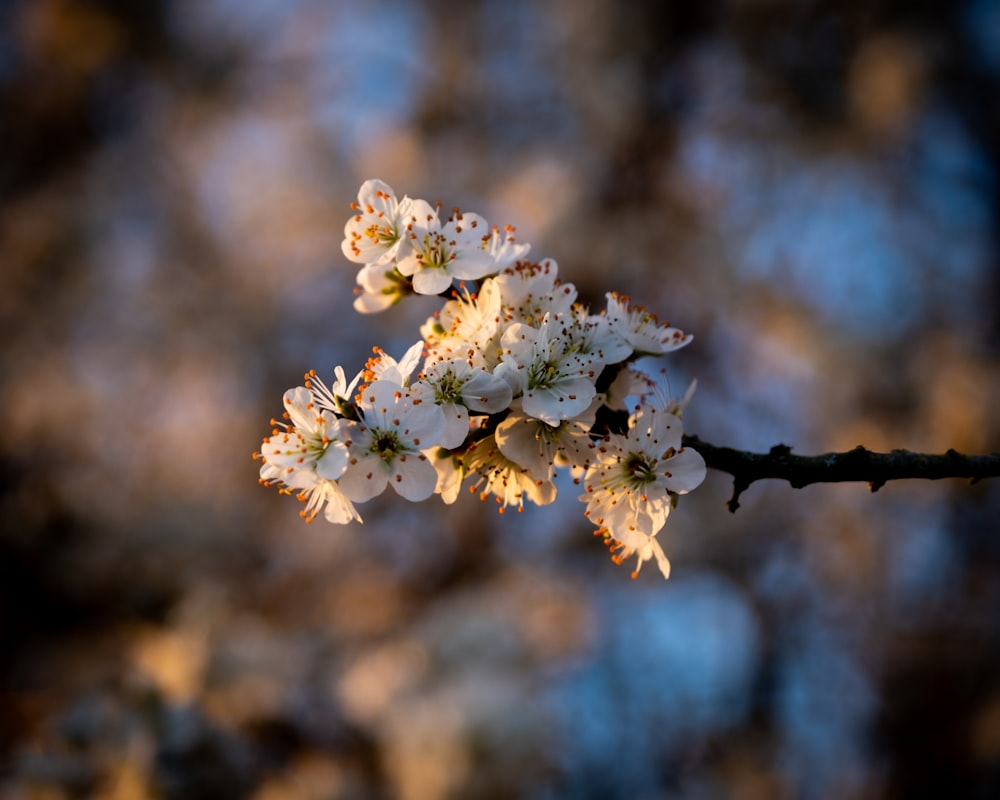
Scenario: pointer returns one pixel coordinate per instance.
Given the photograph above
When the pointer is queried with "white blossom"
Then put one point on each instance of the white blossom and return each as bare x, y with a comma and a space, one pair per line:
376, 232
641, 328
468, 325
643, 547
629, 487
307, 455
380, 286
540, 447
531, 291
645, 383
387, 443
504, 249
439, 253
507, 480
382, 366
555, 381
458, 385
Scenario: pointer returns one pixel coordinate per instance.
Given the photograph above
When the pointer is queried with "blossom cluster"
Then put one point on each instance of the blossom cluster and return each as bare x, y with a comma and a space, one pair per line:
511, 380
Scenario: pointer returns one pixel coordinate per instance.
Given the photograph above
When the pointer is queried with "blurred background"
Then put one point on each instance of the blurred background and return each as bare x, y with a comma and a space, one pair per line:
808, 187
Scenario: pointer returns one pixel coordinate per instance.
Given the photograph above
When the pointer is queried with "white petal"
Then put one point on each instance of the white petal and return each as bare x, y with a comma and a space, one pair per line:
648, 426
517, 437
408, 363
370, 191
333, 462
340, 386
472, 265
486, 392
408, 264
541, 492
566, 399
430, 280
296, 403
364, 479
415, 478
419, 212
339, 510
374, 303
661, 558
456, 426
687, 471
450, 476
641, 517
378, 403
422, 424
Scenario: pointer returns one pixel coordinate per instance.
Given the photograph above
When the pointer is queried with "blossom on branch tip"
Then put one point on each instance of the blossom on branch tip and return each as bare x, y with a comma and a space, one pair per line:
314, 441
631, 485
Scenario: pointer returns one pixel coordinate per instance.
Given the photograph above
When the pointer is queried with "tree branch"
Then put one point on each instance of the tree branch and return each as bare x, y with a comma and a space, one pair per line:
858, 464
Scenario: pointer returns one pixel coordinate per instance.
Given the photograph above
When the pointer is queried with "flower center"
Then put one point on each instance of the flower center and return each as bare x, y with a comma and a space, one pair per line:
448, 389
382, 234
542, 374
437, 251
386, 445
640, 469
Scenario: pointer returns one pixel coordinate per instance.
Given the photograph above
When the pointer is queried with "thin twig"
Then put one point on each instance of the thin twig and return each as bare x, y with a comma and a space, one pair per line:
858, 464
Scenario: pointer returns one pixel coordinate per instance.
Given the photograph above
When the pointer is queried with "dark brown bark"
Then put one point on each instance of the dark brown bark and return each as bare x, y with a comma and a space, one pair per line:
858, 464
